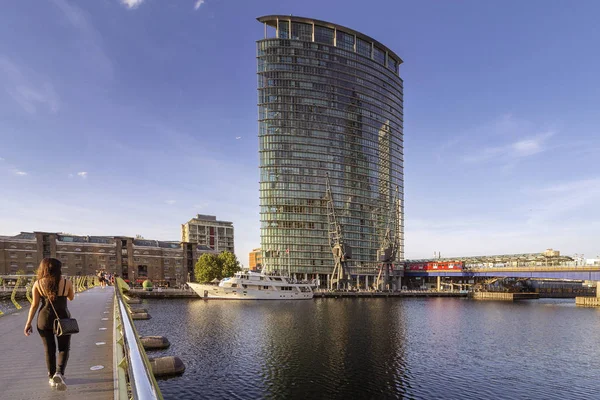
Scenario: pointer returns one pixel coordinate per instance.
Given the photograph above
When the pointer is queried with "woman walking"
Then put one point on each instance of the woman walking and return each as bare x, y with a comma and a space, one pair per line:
49, 288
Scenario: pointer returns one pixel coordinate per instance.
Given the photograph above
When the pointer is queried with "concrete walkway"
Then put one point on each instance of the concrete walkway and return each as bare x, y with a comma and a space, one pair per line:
23, 373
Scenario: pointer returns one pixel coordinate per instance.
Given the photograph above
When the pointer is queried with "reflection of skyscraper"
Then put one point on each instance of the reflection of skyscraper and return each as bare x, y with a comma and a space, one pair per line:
385, 170
385, 165
330, 101
341, 351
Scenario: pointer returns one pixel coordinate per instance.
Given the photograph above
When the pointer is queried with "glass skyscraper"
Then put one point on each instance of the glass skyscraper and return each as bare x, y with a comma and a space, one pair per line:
330, 102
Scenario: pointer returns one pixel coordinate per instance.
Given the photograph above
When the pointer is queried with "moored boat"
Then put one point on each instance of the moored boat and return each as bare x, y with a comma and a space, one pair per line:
250, 285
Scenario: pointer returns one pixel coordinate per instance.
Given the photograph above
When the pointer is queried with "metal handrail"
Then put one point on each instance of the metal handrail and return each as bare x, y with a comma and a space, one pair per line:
141, 379
536, 268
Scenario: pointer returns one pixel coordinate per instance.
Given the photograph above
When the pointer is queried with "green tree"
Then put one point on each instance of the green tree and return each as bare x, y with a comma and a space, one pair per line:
207, 268
229, 264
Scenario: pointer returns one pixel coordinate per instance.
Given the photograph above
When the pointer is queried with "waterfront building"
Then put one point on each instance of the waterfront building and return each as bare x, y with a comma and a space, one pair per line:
255, 259
134, 259
207, 231
330, 103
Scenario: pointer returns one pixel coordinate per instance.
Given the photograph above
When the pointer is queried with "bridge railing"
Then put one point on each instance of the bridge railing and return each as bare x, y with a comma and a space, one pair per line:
19, 283
512, 268
136, 380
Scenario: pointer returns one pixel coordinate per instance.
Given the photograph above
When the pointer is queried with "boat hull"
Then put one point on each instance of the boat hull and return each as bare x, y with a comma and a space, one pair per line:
217, 292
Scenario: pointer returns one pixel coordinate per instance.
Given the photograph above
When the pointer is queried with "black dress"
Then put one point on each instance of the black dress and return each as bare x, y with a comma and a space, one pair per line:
46, 314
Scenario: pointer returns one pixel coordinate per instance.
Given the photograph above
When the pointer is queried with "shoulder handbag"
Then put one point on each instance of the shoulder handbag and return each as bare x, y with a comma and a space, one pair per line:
64, 326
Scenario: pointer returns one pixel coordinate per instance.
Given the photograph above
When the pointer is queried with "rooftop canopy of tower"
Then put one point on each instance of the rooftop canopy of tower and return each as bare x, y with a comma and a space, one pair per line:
290, 27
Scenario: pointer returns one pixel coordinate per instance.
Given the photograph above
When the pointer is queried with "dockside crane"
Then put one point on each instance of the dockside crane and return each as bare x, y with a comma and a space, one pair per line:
341, 251
388, 249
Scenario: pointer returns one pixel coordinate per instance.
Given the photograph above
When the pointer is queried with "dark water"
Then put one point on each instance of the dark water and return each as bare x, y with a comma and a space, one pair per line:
379, 349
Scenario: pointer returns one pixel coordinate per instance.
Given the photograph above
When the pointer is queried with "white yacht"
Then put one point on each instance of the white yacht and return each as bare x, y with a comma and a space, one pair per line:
250, 285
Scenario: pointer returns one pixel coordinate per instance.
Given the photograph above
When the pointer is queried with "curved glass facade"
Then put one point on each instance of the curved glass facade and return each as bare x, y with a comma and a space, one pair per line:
330, 102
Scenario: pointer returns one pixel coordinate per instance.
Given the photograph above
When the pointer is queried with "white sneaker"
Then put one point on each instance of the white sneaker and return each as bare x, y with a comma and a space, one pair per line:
59, 381
52, 383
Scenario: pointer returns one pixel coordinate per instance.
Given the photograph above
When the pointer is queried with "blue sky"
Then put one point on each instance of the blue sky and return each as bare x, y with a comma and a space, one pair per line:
129, 117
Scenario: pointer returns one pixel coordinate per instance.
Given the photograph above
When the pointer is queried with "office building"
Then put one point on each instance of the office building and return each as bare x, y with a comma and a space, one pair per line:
255, 260
207, 231
330, 103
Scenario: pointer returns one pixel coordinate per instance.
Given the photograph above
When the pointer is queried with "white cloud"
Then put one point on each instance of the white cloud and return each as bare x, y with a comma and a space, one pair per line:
567, 202
578, 186
198, 4
82, 174
504, 140
1, 159
527, 146
27, 88
19, 172
523, 147
170, 202
562, 215
132, 3
530, 146
88, 39
238, 137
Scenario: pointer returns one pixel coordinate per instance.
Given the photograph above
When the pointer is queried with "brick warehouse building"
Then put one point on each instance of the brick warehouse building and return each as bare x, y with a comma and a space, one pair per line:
131, 258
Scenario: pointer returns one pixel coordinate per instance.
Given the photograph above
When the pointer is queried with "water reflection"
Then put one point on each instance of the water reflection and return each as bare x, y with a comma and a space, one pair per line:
293, 349
306, 358
378, 349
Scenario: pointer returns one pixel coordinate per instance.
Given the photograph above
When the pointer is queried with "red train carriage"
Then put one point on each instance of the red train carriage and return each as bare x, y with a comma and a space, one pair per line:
415, 266
434, 266
444, 265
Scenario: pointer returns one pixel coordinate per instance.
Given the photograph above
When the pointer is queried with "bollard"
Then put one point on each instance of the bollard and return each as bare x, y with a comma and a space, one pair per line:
166, 366
154, 342
137, 310
136, 316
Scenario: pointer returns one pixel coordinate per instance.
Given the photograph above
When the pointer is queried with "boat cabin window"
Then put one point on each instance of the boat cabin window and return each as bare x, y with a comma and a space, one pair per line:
265, 287
245, 286
234, 285
276, 278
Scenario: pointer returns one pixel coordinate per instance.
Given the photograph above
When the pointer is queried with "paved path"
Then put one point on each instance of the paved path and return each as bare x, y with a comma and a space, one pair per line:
23, 373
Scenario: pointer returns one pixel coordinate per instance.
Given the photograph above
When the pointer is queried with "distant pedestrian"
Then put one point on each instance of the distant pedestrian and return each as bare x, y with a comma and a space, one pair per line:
52, 291
102, 278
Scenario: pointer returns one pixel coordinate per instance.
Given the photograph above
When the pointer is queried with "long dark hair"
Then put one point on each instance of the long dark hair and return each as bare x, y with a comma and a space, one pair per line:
48, 275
